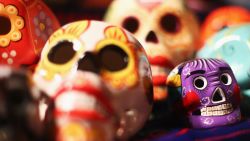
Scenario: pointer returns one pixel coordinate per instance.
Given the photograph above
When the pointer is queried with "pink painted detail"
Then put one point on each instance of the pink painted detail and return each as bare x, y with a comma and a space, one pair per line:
149, 4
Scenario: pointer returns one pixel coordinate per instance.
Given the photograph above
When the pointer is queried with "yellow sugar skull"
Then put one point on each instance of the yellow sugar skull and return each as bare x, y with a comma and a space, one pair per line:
112, 54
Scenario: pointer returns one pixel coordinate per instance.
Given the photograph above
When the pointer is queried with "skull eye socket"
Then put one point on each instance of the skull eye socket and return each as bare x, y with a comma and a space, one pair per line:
61, 53
131, 24
226, 79
113, 58
5, 25
200, 83
170, 23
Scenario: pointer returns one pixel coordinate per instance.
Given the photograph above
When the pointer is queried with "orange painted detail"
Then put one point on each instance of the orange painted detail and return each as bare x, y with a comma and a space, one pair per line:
223, 17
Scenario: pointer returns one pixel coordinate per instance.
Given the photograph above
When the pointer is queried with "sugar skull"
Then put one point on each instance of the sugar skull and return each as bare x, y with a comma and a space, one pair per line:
210, 92
25, 26
19, 118
110, 52
167, 30
217, 20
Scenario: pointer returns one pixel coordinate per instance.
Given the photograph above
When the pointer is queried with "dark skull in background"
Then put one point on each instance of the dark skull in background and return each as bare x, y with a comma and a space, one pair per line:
19, 116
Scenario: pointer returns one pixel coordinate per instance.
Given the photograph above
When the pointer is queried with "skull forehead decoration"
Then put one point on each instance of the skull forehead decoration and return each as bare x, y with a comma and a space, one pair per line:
25, 27
210, 92
167, 30
112, 53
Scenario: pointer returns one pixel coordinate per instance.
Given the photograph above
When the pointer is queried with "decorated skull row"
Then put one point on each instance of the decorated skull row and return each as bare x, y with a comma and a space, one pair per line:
92, 72
98, 76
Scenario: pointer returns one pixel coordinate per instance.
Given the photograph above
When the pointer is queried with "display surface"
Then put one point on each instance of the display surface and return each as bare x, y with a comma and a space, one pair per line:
233, 132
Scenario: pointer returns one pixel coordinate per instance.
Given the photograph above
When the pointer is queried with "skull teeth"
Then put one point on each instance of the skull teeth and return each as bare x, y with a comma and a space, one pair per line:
75, 100
219, 110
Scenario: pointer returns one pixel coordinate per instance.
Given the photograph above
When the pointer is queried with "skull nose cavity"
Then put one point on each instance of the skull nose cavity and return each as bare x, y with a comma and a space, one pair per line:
88, 63
151, 37
218, 96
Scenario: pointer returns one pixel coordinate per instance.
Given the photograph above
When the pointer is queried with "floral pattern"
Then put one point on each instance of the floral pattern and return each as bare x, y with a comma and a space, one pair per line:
17, 23
43, 26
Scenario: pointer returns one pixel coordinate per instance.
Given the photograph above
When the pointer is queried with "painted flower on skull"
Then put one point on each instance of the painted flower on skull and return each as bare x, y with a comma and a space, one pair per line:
43, 25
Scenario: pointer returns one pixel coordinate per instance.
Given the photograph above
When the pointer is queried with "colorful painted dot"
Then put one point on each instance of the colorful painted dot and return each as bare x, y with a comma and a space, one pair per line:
42, 26
10, 61
13, 53
4, 55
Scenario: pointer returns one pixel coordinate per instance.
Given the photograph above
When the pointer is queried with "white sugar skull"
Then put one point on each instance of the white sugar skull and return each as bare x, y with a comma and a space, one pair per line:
111, 53
167, 30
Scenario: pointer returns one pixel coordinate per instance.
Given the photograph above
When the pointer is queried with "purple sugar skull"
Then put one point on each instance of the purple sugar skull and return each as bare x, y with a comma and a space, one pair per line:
210, 92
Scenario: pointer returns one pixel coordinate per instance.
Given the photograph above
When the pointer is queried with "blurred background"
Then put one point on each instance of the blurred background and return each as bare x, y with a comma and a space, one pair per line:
71, 10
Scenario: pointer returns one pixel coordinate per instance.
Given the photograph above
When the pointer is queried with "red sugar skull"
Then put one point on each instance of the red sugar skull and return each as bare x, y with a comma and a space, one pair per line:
25, 26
